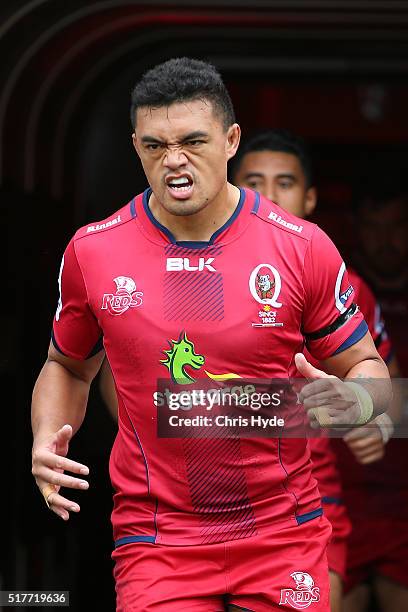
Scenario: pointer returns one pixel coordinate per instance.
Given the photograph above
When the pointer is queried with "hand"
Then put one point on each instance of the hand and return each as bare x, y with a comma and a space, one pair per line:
328, 401
48, 465
366, 443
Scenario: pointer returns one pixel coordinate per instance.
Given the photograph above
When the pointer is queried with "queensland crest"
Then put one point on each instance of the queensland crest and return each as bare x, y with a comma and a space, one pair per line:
265, 285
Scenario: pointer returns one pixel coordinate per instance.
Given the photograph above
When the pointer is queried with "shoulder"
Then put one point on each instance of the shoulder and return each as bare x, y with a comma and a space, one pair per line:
279, 220
118, 219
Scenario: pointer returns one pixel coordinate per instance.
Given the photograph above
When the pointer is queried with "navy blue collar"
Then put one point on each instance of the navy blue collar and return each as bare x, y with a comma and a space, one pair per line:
192, 244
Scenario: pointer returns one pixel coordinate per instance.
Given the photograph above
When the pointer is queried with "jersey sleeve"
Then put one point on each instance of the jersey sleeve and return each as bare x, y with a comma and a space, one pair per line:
75, 332
332, 322
372, 314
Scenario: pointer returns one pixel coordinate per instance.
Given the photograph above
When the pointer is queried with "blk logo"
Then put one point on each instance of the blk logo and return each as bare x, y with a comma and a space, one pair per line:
177, 264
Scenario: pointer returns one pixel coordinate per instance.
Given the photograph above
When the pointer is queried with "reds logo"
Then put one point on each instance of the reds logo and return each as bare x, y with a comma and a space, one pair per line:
304, 595
125, 297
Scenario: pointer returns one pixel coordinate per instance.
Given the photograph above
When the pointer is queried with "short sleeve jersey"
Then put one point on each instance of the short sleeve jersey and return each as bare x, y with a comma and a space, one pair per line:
247, 301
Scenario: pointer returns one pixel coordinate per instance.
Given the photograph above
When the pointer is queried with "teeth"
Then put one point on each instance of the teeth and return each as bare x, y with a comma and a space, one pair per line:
180, 187
179, 181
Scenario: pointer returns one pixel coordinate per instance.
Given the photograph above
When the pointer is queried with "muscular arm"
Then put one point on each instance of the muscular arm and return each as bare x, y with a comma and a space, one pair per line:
61, 393
58, 409
362, 362
328, 399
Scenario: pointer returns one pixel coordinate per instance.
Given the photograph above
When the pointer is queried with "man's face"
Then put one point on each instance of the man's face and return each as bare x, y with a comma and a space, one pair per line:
384, 236
184, 152
279, 177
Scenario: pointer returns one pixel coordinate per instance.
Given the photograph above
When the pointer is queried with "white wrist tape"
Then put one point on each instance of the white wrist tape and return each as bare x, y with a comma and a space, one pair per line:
385, 425
365, 401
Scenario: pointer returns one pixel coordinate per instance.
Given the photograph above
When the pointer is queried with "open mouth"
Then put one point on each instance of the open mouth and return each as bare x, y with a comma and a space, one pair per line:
180, 187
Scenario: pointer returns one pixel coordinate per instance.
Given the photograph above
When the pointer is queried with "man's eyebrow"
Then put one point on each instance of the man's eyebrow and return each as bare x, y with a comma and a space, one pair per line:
286, 175
151, 139
253, 175
194, 136
191, 136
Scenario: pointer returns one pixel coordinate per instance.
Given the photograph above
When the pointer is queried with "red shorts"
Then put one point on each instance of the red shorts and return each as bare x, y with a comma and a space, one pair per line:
284, 570
378, 547
337, 548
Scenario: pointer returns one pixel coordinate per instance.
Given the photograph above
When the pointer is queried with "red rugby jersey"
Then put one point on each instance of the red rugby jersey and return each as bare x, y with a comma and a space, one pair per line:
246, 300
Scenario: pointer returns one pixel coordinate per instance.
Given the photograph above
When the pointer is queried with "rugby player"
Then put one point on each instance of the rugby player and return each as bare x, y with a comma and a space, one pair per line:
170, 286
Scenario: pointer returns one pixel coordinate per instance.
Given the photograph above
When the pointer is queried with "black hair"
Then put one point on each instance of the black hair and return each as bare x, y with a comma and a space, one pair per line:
182, 79
278, 140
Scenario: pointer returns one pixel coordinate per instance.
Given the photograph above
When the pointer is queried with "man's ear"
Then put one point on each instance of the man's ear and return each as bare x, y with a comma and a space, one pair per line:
233, 138
135, 144
310, 201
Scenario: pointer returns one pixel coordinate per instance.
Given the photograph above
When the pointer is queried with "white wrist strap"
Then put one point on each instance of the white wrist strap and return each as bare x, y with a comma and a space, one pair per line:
365, 401
385, 425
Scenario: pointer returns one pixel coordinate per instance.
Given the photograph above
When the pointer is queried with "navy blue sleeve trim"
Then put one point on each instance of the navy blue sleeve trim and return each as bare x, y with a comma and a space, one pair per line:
339, 322
332, 500
130, 539
55, 344
98, 347
309, 516
357, 334
133, 208
255, 207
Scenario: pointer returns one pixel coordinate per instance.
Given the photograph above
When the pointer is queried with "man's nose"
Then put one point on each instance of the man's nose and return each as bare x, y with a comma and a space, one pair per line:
271, 195
270, 192
174, 158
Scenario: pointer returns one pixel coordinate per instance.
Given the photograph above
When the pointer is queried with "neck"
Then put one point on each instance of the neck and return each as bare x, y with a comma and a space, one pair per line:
201, 225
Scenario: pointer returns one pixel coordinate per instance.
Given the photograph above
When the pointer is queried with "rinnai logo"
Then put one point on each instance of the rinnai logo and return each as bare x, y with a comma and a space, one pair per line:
278, 219
177, 264
95, 228
304, 595
125, 297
